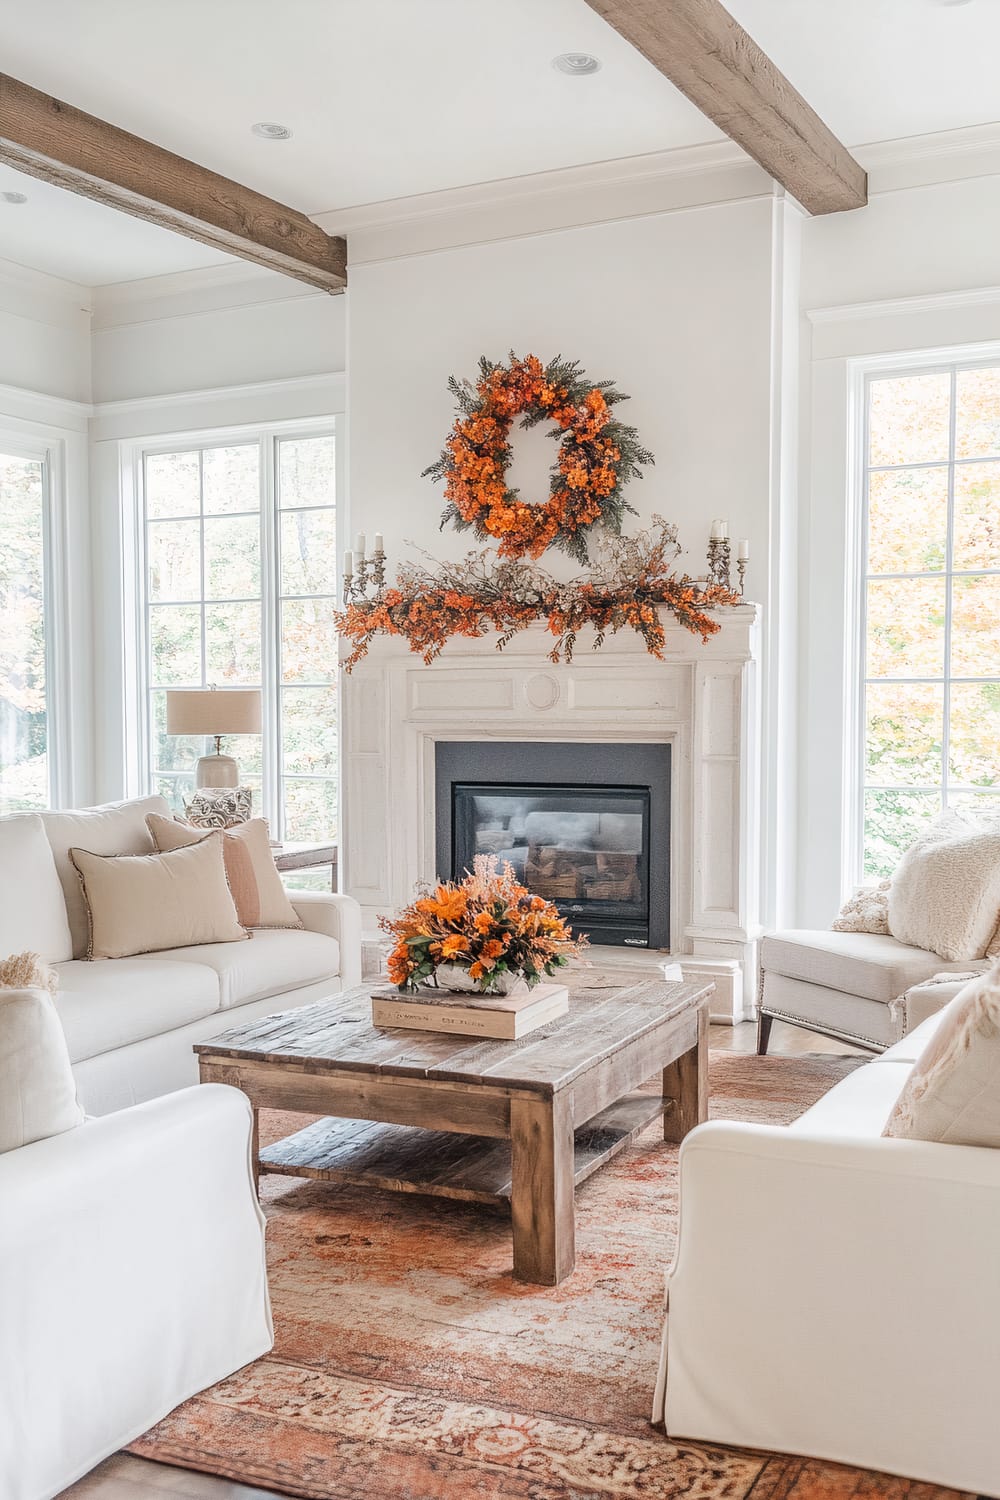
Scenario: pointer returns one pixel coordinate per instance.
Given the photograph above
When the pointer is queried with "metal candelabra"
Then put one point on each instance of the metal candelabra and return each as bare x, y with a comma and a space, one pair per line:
741, 568
718, 562
368, 572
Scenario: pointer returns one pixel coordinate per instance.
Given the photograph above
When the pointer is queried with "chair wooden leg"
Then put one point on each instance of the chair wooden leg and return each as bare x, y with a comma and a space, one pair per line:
763, 1032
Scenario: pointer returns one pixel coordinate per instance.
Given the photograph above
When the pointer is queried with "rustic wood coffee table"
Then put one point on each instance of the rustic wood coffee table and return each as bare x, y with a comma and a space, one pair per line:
517, 1124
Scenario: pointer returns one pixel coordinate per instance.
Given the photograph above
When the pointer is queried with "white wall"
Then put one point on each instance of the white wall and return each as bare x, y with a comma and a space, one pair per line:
44, 334
145, 346
674, 307
917, 270
682, 309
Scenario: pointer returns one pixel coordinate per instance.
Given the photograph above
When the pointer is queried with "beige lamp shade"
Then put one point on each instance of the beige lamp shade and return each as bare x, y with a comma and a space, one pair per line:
213, 711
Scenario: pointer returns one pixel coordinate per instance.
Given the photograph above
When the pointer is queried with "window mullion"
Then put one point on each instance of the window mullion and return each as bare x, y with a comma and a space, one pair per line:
270, 656
202, 589
949, 569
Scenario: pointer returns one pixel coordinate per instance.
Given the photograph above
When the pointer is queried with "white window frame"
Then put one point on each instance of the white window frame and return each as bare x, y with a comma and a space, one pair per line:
139, 776
861, 373
49, 447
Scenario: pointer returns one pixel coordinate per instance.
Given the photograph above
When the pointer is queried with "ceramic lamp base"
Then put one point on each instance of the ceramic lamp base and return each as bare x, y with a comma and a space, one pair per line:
216, 770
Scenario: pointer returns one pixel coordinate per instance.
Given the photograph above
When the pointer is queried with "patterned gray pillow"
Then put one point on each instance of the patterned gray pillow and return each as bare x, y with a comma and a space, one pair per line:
219, 806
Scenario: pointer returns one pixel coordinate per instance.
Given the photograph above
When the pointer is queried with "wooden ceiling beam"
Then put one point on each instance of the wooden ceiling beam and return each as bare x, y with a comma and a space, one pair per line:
45, 138
707, 54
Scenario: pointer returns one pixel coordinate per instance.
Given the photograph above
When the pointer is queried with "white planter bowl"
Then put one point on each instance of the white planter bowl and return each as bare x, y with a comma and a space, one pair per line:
455, 979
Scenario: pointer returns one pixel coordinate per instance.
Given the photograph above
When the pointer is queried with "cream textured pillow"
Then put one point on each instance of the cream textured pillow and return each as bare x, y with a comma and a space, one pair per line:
866, 911
37, 1087
945, 896
953, 1092
143, 903
261, 899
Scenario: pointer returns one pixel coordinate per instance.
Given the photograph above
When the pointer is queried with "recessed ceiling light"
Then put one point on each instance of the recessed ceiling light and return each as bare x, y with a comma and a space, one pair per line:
576, 64
270, 130
14, 197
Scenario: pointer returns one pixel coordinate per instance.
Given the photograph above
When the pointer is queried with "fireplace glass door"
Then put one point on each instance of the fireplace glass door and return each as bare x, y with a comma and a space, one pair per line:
584, 848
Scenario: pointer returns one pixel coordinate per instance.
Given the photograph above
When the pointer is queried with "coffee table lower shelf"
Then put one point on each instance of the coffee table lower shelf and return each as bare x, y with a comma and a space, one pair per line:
439, 1164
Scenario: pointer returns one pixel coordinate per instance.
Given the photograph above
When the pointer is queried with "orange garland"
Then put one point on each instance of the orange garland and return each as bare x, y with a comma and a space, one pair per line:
597, 455
473, 597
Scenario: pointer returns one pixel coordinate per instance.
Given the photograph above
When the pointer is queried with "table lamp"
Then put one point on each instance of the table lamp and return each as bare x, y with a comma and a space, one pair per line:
216, 712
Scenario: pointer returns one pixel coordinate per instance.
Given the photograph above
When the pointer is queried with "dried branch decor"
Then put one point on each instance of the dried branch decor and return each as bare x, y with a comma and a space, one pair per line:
629, 583
597, 456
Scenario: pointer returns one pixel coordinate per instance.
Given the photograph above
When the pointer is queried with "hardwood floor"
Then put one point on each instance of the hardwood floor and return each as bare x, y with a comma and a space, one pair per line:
123, 1477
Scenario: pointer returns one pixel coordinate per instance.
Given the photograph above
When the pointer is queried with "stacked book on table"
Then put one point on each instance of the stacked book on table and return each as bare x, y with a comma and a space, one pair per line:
503, 1017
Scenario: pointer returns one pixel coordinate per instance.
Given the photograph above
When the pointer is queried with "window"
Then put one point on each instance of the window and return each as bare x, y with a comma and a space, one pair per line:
240, 581
24, 706
932, 602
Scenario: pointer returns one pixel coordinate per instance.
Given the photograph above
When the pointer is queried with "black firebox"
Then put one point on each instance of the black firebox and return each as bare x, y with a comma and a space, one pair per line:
587, 826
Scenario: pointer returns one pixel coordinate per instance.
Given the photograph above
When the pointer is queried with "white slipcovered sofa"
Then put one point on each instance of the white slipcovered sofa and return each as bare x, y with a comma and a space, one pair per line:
130, 1023
132, 1275
836, 1293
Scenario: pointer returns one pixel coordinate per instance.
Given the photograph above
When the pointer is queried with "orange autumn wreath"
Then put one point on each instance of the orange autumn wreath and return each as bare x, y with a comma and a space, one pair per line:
597, 456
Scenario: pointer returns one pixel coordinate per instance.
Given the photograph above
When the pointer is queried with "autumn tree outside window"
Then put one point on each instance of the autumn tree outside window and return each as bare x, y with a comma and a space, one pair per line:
24, 686
239, 577
931, 606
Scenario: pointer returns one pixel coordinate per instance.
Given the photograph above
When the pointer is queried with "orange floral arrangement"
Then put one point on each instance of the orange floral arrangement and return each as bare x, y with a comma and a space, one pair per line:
488, 924
597, 456
630, 588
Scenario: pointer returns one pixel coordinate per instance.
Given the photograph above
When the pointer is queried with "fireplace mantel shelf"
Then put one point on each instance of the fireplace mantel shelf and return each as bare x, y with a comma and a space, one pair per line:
701, 699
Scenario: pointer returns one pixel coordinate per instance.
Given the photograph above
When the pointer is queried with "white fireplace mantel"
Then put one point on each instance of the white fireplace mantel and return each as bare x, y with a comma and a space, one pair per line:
702, 699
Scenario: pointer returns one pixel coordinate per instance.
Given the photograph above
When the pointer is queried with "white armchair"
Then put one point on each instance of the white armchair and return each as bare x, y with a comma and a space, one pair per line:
132, 1275
835, 1293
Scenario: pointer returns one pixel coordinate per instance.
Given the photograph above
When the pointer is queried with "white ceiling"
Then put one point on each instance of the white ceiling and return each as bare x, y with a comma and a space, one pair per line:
72, 237
879, 70
389, 98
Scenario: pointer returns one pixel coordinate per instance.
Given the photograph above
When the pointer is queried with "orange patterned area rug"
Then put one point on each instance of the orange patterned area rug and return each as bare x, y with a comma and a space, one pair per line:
409, 1365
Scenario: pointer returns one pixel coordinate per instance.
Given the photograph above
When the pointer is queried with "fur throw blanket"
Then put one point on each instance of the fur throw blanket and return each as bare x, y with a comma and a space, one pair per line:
27, 971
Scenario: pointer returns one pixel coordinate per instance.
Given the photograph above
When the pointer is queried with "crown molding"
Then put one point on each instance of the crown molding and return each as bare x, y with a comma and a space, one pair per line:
935, 322
538, 203
332, 380
926, 160
38, 407
547, 202
188, 294
298, 397
687, 161
900, 307
41, 298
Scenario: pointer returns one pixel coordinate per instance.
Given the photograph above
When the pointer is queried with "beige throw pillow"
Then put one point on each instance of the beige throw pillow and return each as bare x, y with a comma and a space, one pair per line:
866, 911
953, 1092
143, 903
37, 1087
945, 896
261, 899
